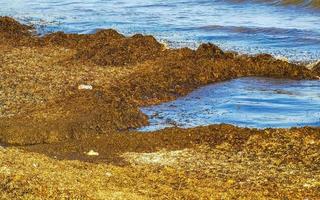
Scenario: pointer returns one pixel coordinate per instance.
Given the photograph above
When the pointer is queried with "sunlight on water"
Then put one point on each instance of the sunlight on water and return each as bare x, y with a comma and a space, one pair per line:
246, 102
291, 31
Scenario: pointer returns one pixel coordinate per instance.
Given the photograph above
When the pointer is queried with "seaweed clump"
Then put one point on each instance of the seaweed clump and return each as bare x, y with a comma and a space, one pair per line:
317, 68
79, 115
222, 161
14, 33
108, 47
154, 75
121, 51
176, 72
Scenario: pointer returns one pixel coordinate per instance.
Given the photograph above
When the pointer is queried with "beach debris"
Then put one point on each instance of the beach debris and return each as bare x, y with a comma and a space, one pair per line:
85, 87
92, 153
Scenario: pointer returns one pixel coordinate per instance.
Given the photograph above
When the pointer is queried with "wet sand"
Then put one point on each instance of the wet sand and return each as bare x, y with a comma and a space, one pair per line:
43, 111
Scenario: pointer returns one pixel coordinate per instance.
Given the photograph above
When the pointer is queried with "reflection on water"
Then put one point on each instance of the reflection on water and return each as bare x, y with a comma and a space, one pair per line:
245, 26
245, 102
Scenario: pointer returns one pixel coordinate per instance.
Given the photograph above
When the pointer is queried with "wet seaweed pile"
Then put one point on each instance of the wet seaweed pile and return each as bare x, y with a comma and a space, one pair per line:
44, 110
317, 68
155, 75
214, 162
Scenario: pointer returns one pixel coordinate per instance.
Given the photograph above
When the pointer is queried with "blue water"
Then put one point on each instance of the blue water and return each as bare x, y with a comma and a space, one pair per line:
245, 102
292, 31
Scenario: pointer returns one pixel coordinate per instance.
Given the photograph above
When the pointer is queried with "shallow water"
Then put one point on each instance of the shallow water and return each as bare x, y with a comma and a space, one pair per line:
245, 102
291, 30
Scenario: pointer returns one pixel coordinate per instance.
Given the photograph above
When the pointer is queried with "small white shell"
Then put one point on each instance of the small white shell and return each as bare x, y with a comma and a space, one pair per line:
85, 87
92, 153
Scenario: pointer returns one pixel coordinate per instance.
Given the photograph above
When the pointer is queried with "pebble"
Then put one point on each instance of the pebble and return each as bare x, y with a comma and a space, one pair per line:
85, 87
92, 153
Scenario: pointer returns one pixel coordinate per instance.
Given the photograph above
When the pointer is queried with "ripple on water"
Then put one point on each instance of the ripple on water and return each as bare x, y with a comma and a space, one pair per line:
245, 102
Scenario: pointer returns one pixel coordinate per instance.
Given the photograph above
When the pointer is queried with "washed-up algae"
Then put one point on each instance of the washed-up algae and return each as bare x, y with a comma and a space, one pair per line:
317, 68
271, 164
156, 75
42, 110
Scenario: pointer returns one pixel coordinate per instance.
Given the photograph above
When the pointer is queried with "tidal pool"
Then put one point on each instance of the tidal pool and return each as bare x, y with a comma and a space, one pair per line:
245, 102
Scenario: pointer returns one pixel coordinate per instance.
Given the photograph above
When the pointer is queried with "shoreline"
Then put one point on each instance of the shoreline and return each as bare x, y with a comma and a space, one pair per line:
144, 73
46, 113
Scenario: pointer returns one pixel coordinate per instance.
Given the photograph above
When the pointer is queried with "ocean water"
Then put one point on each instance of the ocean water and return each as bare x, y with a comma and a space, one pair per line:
245, 102
289, 28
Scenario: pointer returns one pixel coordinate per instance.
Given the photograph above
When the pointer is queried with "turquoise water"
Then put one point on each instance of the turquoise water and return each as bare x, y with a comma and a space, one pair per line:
245, 102
292, 31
